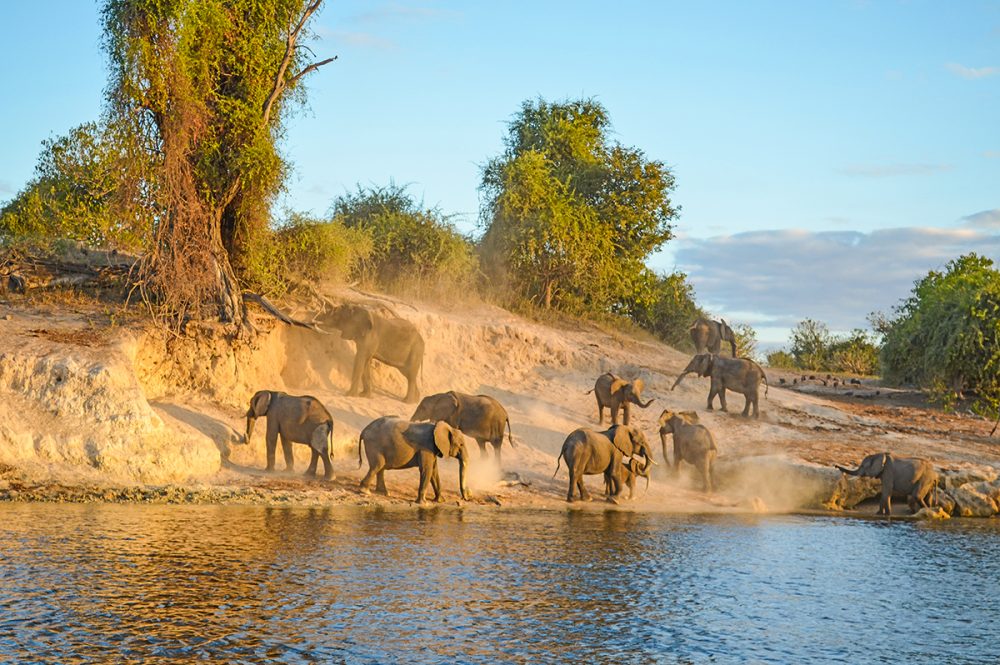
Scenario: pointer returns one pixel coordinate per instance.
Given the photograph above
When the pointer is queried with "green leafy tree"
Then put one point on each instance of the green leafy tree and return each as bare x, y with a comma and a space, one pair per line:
811, 344
946, 335
781, 359
746, 340
75, 193
201, 87
856, 353
569, 216
411, 247
666, 307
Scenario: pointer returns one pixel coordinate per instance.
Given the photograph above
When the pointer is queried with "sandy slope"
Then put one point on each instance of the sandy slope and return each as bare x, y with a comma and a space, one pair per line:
94, 411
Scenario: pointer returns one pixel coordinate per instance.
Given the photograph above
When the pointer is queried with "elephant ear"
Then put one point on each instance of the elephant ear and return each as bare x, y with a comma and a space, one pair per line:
357, 324
664, 420
617, 385
442, 439
637, 387
690, 416
873, 465
623, 440
260, 403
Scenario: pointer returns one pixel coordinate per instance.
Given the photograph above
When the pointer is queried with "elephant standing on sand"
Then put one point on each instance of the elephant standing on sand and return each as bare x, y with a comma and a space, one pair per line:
709, 335
630, 470
693, 443
478, 416
393, 341
911, 477
737, 374
613, 392
588, 452
294, 420
397, 443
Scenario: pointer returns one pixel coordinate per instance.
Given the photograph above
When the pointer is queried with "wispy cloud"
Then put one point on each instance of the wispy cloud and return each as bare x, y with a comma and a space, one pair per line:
891, 170
5, 188
991, 154
972, 72
985, 219
835, 276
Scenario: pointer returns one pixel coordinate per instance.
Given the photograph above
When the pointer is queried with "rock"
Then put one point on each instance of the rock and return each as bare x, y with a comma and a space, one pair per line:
954, 478
932, 514
972, 503
850, 491
946, 501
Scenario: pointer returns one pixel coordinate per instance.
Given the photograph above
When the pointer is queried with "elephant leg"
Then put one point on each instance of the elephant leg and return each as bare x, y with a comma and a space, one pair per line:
411, 371
722, 398
711, 398
313, 460
483, 453
428, 467
375, 467
272, 445
436, 485
327, 466
366, 380
677, 457
746, 406
584, 494
600, 412
614, 413
625, 413
572, 485
361, 360
286, 450
380, 483
706, 476
496, 451
756, 405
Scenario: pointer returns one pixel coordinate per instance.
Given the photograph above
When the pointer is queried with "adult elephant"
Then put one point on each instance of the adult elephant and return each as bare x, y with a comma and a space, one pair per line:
615, 392
911, 477
693, 443
397, 443
293, 419
393, 341
740, 375
709, 335
588, 453
478, 416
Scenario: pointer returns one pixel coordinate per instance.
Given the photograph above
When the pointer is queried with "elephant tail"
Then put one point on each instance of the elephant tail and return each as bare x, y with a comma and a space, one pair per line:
590, 391
558, 460
361, 438
510, 434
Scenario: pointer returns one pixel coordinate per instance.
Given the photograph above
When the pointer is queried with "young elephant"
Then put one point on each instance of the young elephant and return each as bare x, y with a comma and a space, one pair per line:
630, 470
294, 420
393, 341
397, 443
478, 416
909, 476
613, 392
693, 443
737, 374
588, 453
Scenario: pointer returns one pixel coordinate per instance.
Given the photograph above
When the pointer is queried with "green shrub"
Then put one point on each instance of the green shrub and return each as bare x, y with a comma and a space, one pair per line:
781, 359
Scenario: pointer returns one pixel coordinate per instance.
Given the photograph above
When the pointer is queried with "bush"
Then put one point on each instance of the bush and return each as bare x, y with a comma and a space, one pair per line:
665, 307
746, 340
412, 248
781, 359
307, 249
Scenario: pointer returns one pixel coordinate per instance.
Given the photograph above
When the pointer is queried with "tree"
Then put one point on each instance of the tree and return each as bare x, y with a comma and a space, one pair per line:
666, 308
810, 344
201, 86
856, 353
946, 335
75, 193
569, 216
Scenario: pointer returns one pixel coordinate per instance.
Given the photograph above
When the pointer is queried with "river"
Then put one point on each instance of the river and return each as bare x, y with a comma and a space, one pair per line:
180, 583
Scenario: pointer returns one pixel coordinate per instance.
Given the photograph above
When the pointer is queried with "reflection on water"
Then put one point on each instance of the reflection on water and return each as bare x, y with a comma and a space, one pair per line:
169, 584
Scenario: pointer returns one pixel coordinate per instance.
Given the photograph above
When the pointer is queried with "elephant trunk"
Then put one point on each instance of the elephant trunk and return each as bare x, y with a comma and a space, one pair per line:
463, 486
663, 444
848, 471
679, 378
246, 436
641, 405
732, 345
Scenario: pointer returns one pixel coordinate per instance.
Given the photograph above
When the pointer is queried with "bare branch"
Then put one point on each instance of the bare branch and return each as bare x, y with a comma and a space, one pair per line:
311, 68
279, 78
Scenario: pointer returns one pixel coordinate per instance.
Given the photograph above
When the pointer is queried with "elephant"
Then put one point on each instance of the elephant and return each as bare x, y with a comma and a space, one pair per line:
629, 472
613, 391
393, 341
693, 443
709, 335
478, 416
295, 419
909, 476
396, 443
588, 452
740, 375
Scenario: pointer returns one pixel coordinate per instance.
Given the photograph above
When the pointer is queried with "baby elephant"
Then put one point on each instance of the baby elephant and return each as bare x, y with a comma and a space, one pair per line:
910, 476
630, 470
294, 420
589, 453
397, 443
615, 392
693, 443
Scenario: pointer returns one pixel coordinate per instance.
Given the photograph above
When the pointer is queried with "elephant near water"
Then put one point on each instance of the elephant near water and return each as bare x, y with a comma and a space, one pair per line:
693, 443
589, 453
293, 419
397, 443
740, 375
615, 392
709, 335
911, 477
478, 416
630, 470
391, 340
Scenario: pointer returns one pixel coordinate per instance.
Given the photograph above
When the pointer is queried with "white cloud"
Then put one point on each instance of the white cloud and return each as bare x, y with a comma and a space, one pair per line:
359, 39
835, 276
991, 154
972, 72
986, 219
890, 170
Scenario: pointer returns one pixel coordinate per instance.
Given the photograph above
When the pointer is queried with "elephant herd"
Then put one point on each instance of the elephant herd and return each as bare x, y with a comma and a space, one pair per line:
440, 423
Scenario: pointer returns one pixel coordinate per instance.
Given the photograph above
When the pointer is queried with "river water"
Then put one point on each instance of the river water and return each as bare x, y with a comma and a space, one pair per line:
175, 584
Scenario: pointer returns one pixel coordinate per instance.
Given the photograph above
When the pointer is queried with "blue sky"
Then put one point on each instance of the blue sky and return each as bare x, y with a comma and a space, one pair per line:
826, 154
